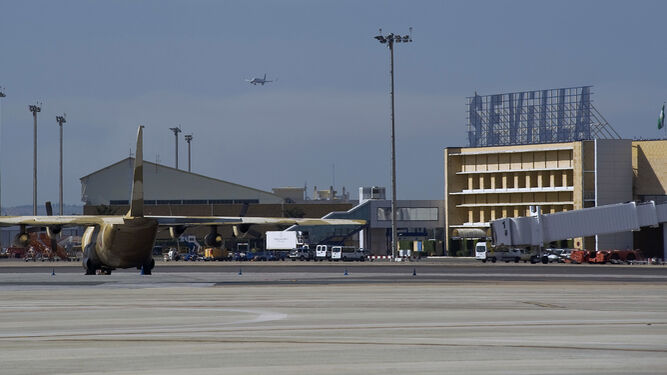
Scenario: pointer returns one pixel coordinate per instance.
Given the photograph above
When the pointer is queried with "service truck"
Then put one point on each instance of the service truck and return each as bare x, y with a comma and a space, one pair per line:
347, 253
281, 240
484, 251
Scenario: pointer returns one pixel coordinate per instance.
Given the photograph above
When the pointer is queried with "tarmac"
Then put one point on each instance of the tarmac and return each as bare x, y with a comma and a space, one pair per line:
300, 321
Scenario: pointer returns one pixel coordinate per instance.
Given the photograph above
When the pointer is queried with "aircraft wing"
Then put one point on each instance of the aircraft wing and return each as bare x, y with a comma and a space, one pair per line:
65, 221
222, 220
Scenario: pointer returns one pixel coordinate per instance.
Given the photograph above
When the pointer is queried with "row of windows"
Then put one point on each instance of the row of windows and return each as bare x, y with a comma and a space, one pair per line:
154, 202
409, 213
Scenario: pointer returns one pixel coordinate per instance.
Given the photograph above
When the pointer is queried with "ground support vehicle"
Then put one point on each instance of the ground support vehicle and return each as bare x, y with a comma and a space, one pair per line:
172, 254
214, 253
243, 256
485, 253
604, 256
301, 253
346, 253
323, 252
268, 255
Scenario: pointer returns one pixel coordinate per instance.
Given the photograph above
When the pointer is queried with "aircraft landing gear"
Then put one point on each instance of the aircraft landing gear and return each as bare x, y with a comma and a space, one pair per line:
147, 267
88, 264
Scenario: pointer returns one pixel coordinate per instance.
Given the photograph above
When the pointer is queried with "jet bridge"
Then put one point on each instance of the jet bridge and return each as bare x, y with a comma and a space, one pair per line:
539, 229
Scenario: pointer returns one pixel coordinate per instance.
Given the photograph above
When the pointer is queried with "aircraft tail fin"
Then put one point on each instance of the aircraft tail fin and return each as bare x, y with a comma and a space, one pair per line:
265, 76
137, 202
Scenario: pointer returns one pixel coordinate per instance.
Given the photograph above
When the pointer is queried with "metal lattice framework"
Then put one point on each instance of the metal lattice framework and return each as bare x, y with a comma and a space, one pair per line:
541, 116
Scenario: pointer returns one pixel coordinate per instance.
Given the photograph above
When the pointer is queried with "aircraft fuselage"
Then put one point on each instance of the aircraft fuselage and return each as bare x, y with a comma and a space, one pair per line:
126, 245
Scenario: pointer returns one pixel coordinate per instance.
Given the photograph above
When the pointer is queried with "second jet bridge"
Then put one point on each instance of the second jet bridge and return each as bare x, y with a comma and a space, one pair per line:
540, 229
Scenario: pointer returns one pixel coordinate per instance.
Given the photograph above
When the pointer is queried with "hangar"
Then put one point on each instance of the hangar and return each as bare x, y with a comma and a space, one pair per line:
165, 185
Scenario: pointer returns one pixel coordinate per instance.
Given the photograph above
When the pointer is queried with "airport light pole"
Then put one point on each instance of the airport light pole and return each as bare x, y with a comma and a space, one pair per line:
176, 130
34, 109
389, 40
2, 95
188, 138
61, 120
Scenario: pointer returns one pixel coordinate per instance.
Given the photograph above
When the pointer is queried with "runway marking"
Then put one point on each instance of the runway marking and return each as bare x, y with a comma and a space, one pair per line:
324, 342
204, 327
542, 304
261, 317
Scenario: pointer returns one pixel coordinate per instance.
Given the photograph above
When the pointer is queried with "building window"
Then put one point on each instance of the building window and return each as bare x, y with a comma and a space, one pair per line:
195, 201
409, 213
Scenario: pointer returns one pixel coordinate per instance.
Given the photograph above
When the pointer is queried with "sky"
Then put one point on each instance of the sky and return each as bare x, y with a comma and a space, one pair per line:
113, 65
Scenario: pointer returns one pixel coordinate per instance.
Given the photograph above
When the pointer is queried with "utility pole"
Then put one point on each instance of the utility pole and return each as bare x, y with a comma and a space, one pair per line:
2, 95
61, 121
34, 109
188, 138
389, 40
176, 130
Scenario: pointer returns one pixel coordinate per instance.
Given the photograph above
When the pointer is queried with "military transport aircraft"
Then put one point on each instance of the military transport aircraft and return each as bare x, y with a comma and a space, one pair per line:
111, 242
257, 80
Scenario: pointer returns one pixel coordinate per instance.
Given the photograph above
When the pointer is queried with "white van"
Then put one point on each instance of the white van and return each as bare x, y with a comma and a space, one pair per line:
347, 253
481, 251
322, 252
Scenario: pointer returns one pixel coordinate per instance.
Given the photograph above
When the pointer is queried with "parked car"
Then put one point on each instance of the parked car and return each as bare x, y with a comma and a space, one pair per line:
242, 256
554, 255
527, 255
191, 257
263, 256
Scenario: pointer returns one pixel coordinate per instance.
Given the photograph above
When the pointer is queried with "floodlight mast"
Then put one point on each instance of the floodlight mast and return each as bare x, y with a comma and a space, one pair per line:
389, 41
188, 138
2, 95
61, 120
176, 130
34, 109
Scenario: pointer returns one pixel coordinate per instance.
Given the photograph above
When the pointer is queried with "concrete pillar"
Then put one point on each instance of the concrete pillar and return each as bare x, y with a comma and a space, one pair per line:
552, 179
564, 178
528, 180
504, 180
471, 183
481, 181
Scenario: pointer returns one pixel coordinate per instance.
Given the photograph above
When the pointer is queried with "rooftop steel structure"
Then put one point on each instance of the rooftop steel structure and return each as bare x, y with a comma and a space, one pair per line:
540, 116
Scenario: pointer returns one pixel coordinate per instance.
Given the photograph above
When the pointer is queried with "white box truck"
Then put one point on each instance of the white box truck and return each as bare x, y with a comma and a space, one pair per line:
281, 240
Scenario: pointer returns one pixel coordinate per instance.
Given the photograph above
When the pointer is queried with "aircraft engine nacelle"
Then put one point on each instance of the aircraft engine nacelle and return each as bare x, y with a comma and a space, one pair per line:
240, 230
213, 239
22, 239
176, 231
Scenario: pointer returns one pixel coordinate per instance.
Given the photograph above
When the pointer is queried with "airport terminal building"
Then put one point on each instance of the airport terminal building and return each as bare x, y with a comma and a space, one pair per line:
550, 149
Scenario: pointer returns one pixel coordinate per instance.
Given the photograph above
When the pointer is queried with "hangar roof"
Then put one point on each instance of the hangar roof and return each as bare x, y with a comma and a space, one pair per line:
161, 182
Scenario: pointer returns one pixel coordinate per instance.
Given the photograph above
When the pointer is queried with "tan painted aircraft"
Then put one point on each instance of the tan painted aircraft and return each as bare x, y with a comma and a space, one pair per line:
111, 242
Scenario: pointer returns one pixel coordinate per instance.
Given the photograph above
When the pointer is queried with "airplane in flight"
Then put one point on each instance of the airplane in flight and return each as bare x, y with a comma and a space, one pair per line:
258, 80
114, 241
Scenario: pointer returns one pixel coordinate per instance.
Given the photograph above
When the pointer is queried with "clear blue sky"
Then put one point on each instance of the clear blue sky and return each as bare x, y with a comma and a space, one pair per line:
111, 65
